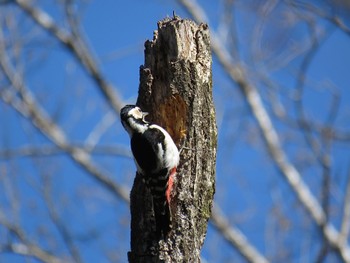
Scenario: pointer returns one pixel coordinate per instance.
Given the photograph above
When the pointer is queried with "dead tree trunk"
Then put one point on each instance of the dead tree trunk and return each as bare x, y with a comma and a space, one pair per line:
176, 89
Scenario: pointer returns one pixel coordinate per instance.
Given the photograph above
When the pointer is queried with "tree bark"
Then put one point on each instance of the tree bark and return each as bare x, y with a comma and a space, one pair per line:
176, 90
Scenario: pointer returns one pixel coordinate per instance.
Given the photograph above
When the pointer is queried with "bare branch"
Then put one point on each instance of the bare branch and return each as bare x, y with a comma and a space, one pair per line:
270, 136
25, 247
235, 237
334, 19
77, 47
30, 109
51, 150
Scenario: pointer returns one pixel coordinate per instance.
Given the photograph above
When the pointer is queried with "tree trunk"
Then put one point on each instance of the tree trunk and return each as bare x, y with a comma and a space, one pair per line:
176, 90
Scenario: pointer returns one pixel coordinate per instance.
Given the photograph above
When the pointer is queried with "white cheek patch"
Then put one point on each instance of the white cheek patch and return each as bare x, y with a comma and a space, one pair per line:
136, 113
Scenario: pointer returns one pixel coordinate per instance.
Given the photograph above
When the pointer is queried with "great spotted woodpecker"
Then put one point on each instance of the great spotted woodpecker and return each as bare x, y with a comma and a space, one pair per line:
156, 157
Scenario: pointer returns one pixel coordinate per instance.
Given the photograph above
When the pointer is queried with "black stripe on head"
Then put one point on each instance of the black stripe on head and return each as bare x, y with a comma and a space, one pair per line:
124, 112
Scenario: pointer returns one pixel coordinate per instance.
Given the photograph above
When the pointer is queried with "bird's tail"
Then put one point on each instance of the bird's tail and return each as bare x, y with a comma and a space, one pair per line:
162, 216
159, 185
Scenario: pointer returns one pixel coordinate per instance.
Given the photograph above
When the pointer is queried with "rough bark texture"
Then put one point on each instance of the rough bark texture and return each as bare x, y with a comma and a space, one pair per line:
176, 89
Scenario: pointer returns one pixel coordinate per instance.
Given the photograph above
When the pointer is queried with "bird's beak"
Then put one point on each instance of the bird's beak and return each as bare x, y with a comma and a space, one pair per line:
144, 114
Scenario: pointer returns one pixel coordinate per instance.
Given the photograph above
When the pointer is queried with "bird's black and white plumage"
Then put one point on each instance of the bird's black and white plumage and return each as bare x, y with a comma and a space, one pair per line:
156, 157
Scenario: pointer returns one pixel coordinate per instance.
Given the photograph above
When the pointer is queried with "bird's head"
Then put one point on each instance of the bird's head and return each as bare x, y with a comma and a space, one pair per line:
133, 119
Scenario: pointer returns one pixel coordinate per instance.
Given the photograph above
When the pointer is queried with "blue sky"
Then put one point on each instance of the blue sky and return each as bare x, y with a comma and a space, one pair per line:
248, 184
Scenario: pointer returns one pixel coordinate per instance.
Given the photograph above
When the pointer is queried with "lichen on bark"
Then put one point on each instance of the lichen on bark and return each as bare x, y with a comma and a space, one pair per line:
176, 89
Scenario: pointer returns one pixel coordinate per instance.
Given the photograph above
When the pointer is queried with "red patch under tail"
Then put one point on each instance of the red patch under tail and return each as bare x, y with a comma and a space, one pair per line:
170, 184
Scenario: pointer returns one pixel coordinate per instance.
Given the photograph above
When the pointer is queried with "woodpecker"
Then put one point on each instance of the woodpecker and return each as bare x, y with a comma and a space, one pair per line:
156, 157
